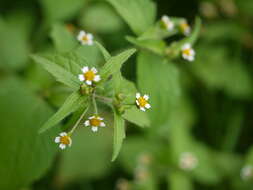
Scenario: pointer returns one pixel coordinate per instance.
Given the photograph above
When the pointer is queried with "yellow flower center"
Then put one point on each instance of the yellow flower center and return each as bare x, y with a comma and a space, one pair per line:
89, 75
142, 101
65, 140
184, 26
95, 122
85, 38
187, 52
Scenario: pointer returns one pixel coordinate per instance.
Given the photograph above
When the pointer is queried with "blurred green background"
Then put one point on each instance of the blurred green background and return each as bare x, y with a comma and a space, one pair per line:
211, 119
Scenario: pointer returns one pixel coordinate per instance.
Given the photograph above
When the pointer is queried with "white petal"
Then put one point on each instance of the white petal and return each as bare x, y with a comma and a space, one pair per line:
62, 146
146, 97
57, 139
191, 58
70, 141
94, 129
186, 46
89, 42
137, 102
85, 69
63, 134
142, 109
91, 117
102, 124
81, 77
100, 118
88, 82
80, 35
147, 106
97, 78
87, 123
89, 36
138, 95
165, 18
94, 70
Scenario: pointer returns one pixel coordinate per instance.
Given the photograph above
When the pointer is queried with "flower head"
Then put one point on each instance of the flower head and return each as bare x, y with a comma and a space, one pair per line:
85, 38
142, 102
167, 23
94, 122
185, 28
89, 75
247, 172
64, 140
187, 52
188, 161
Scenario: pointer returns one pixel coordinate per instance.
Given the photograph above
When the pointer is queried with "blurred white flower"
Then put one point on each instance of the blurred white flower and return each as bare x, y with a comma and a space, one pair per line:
85, 38
94, 122
184, 27
64, 140
89, 75
142, 102
167, 23
187, 52
247, 172
188, 161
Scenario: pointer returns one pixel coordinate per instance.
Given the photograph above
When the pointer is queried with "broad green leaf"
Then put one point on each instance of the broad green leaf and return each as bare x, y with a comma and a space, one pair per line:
138, 14
61, 9
58, 72
113, 65
136, 116
63, 40
73, 102
25, 155
177, 180
105, 53
119, 134
101, 12
159, 79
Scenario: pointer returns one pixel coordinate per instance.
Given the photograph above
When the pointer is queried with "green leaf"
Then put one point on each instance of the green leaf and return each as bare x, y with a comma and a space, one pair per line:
25, 155
119, 134
138, 14
105, 53
73, 102
58, 72
177, 180
136, 116
63, 40
160, 79
113, 65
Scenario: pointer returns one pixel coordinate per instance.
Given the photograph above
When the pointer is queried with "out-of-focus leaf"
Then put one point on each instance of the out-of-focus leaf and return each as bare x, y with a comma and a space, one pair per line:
114, 64
159, 79
245, 6
177, 180
101, 13
22, 149
58, 72
136, 116
138, 14
119, 135
89, 156
73, 102
61, 9
63, 40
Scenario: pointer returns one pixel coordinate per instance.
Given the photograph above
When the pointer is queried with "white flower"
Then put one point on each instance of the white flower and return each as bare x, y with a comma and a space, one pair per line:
85, 38
64, 140
142, 102
89, 76
185, 28
94, 122
187, 52
167, 23
188, 161
247, 172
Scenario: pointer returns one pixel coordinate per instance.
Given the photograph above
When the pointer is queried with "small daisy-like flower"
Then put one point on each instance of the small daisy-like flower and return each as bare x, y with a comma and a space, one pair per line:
85, 38
247, 172
89, 76
64, 140
94, 122
167, 23
185, 28
188, 161
142, 102
187, 52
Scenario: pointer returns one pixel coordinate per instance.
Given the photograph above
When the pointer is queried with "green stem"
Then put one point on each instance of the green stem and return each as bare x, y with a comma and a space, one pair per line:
94, 104
79, 120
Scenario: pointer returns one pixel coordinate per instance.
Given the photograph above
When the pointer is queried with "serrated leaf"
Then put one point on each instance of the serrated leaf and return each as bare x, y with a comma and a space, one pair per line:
119, 134
22, 149
58, 72
138, 14
136, 116
114, 64
73, 102
63, 40
104, 52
